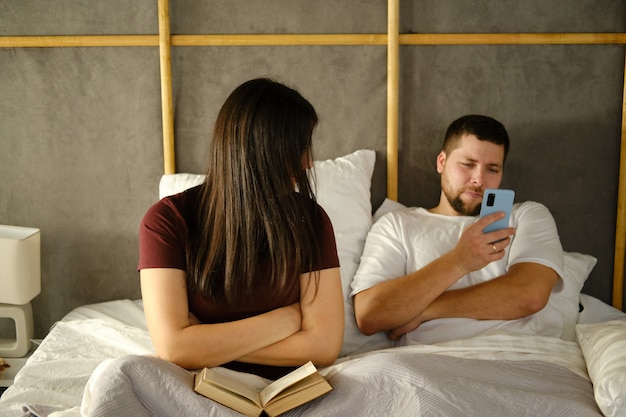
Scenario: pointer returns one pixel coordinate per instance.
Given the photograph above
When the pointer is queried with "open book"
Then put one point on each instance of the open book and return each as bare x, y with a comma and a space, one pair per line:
251, 395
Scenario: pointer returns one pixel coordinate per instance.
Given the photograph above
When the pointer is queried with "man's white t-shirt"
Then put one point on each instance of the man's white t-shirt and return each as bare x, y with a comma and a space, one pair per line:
405, 241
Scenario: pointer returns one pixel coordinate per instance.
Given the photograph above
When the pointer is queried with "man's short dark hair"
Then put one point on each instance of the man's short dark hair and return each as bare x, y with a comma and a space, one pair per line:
483, 127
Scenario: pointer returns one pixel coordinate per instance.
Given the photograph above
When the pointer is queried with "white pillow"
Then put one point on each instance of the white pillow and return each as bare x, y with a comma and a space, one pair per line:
176, 183
387, 206
576, 267
595, 310
604, 349
343, 190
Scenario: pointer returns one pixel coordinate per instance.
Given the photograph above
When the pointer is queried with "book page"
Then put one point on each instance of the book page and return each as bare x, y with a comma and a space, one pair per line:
303, 391
280, 384
246, 385
303, 385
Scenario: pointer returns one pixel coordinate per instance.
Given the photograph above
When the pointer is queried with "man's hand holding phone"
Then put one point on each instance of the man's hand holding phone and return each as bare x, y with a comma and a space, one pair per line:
485, 241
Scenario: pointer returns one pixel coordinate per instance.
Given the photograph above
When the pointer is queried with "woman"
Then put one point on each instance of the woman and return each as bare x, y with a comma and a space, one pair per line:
242, 271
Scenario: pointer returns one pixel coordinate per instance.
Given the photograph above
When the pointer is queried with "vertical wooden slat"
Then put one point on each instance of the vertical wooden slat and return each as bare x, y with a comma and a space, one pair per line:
169, 159
393, 31
620, 228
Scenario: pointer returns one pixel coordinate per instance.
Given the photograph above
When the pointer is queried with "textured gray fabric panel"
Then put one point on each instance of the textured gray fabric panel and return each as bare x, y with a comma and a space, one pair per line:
459, 16
278, 16
82, 17
81, 153
346, 84
80, 128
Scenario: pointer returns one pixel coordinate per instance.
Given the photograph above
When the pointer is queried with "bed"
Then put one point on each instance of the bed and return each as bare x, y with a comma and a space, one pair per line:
81, 359
583, 374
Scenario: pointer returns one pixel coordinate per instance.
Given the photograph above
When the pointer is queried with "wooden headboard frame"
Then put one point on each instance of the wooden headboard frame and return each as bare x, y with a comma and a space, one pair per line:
393, 39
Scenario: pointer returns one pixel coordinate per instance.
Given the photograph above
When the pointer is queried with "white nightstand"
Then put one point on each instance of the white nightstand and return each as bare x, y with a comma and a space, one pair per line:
16, 364
8, 374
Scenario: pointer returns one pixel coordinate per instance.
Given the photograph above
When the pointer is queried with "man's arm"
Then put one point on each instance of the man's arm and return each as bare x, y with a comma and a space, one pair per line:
398, 302
523, 291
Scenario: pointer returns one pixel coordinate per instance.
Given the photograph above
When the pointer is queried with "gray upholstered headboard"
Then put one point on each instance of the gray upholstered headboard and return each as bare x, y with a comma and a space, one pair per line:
554, 148
99, 99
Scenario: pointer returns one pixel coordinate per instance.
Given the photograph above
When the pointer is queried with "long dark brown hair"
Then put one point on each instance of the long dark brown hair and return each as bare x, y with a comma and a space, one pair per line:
251, 224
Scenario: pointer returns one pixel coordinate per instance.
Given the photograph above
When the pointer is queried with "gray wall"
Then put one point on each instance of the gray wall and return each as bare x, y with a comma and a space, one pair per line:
80, 128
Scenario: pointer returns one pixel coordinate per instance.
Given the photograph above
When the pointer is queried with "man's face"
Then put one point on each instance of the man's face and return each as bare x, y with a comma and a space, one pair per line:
467, 171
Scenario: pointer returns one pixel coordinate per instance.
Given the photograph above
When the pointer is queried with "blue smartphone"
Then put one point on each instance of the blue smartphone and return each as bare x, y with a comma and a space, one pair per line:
495, 200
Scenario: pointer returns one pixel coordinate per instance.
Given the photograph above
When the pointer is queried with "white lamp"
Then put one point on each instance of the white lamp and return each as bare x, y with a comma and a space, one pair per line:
20, 282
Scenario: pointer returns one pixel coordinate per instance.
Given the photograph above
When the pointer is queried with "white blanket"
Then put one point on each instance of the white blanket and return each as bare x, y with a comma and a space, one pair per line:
393, 383
488, 375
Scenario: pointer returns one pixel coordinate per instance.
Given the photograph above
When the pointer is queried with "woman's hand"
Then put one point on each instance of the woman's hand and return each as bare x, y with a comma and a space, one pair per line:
179, 337
322, 322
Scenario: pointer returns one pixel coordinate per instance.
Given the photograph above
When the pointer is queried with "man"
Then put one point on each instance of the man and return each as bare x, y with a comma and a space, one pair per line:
434, 275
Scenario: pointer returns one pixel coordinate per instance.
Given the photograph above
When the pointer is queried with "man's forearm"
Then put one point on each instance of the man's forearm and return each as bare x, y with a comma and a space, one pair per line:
396, 302
523, 291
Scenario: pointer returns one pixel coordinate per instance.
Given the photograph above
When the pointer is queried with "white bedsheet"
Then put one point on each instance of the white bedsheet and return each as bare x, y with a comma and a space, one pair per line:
57, 372
390, 383
54, 379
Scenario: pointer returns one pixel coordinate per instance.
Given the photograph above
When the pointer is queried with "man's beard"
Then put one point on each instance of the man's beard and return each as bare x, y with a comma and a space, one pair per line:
459, 205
